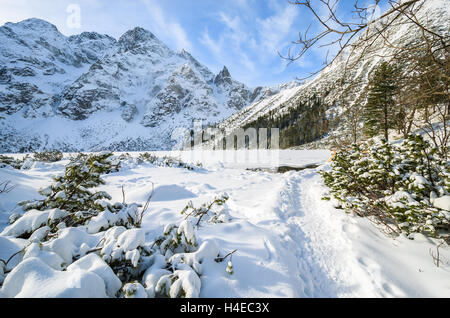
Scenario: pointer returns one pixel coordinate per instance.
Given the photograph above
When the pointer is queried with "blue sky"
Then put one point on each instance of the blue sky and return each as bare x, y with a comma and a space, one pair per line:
244, 35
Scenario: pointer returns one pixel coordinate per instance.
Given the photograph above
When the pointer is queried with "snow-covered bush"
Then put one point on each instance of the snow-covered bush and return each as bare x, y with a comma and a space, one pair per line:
213, 212
76, 243
396, 185
71, 191
166, 161
177, 239
48, 156
6, 161
101, 163
134, 290
70, 201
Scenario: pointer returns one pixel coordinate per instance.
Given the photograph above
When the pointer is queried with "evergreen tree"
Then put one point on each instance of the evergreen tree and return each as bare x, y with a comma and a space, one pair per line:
379, 112
395, 185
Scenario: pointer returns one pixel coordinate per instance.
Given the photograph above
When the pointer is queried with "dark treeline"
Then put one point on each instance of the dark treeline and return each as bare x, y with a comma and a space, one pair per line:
304, 123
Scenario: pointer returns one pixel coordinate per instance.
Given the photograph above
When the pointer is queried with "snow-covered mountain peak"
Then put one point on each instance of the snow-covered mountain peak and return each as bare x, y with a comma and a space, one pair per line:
126, 94
91, 36
138, 37
206, 73
223, 77
33, 24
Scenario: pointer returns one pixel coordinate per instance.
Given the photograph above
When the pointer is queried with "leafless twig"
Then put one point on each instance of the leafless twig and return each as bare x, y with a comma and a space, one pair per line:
437, 256
144, 209
6, 187
221, 259
123, 195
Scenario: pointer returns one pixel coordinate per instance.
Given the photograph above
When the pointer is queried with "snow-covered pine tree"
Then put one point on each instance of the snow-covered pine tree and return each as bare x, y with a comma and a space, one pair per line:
421, 177
48, 156
380, 111
72, 192
396, 185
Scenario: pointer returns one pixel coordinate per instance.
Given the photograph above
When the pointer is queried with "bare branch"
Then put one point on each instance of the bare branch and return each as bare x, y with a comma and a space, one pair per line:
6, 187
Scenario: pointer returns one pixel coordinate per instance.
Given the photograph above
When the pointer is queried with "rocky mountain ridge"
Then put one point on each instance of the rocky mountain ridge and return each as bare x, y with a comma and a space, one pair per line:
92, 92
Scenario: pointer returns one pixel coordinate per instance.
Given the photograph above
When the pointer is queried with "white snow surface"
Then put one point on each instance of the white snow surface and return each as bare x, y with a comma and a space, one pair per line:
290, 242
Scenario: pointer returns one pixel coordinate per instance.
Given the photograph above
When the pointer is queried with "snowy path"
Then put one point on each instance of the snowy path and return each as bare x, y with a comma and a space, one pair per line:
324, 262
326, 265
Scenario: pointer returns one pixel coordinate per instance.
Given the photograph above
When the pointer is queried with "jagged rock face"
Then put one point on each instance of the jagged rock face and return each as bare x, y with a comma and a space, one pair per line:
183, 99
137, 87
38, 62
129, 112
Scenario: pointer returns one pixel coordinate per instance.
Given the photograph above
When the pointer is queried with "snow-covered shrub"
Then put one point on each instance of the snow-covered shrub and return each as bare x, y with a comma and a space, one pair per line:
169, 266
166, 161
118, 214
48, 156
71, 192
177, 239
6, 161
178, 276
213, 212
34, 278
77, 243
396, 185
134, 290
126, 252
27, 163
101, 163
69, 201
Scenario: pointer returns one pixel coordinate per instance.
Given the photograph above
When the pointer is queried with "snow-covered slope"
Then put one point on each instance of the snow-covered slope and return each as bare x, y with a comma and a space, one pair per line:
92, 92
329, 84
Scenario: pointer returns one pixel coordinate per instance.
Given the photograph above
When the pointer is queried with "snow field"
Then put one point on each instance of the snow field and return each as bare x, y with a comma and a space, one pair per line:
289, 242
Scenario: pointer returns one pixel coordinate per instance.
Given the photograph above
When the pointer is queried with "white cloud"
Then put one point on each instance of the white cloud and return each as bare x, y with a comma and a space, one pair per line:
247, 40
274, 29
165, 27
212, 45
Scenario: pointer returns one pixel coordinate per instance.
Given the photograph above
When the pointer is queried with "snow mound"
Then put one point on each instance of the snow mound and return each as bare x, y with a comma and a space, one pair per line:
131, 239
31, 220
9, 247
32, 278
92, 263
442, 203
